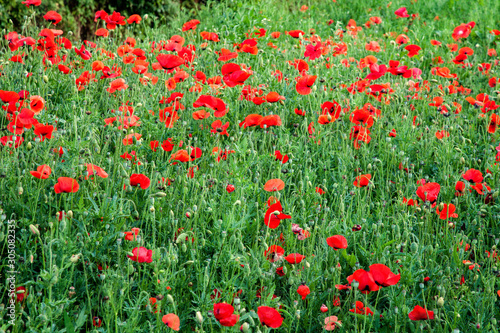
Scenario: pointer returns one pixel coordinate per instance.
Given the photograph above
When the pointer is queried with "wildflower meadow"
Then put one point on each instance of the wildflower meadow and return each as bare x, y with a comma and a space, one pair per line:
254, 166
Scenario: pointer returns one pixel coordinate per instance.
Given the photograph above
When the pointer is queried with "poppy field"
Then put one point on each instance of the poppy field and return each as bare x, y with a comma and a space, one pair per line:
253, 166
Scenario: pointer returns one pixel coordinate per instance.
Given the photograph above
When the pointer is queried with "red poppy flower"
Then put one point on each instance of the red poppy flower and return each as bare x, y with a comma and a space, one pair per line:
294, 258
234, 75
362, 181
280, 157
412, 50
169, 61
140, 179
365, 279
273, 185
274, 252
303, 291
132, 235
141, 254
473, 176
66, 185
118, 84
459, 188
134, 19
462, 31
337, 242
383, 275
447, 211
52, 17
274, 215
190, 25
402, 12
42, 172
230, 188
420, 313
429, 192
361, 309
96, 321
223, 312
43, 131
295, 33
172, 321
269, 317
94, 169
113, 20
252, 120
218, 128
304, 84
32, 3
213, 103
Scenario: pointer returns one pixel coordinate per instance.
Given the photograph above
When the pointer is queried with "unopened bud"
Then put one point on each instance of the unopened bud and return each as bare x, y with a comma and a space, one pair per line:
199, 317
34, 230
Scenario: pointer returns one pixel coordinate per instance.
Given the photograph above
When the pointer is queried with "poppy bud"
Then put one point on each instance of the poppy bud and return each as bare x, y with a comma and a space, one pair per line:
34, 230
324, 308
245, 328
45, 78
188, 215
151, 209
440, 302
29, 146
184, 247
74, 258
170, 299
199, 317
20, 190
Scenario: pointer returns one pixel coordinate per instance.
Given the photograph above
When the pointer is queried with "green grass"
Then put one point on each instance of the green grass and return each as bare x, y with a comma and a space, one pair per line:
226, 233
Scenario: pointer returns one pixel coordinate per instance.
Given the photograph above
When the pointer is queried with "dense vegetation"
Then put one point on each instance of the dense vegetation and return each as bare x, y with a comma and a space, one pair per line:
326, 165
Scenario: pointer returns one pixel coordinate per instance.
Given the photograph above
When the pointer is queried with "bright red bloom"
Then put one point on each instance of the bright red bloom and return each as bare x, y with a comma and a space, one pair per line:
213, 103
447, 211
274, 215
269, 317
169, 61
303, 291
32, 3
94, 169
140, 179
429, 192
273, 185
52, 17
218, 128
365, 279
361, 309
141, 254
66, 185
294, 258
473, 176
274, 252
190, 25
420, 313
304, 84
113, 20
171, 320
402, 12
362, 181
383, 275
42, 172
